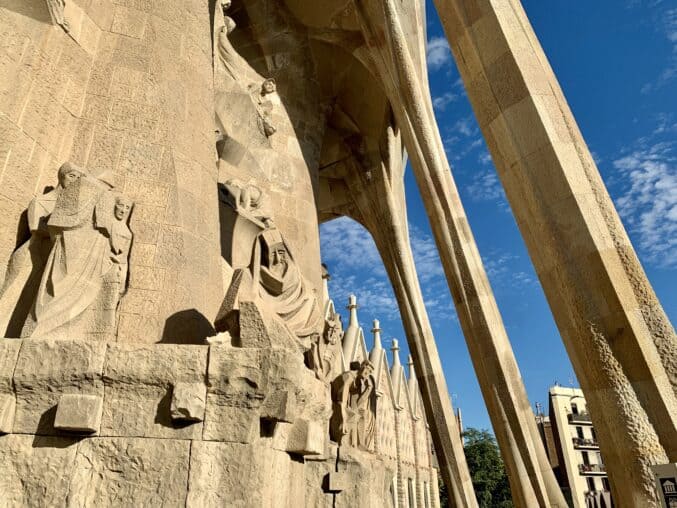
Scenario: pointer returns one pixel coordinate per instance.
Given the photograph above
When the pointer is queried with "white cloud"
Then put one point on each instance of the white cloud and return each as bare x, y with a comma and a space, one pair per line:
486, 187
667, 23
442, 101
438, 53
648, 201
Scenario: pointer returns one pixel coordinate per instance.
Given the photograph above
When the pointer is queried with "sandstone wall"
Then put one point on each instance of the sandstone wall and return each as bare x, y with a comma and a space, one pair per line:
127, 90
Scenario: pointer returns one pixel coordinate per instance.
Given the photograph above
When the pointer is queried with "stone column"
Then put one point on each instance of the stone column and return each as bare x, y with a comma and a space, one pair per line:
531, 477
620, 341
386, 220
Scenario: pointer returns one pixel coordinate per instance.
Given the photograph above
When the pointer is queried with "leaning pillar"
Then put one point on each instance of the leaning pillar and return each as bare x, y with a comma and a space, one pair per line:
478, 313
380, 206
621, 344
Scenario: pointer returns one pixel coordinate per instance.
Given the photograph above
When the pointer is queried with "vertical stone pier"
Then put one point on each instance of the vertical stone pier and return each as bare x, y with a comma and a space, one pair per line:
620, 341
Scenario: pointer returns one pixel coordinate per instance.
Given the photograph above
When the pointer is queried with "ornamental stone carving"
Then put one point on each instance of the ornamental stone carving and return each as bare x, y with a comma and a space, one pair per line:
72, 272
271, 284
325, 349
354, 407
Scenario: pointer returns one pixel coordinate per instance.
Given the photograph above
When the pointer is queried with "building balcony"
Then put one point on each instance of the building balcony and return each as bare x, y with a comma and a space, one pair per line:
585, 443
580, 418
592, 469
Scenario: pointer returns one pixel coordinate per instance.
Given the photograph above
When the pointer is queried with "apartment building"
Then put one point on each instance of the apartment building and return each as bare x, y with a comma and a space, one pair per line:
571, 444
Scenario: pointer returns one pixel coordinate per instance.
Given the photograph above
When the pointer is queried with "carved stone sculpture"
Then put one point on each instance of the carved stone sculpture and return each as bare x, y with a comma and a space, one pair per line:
271, 280
56, 11
354, 407
82, 262
265, 99
324, 351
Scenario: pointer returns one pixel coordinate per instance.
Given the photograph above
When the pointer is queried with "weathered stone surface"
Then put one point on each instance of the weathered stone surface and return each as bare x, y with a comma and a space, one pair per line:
78, 413
117, 471
338, 481
279, 407
307, 438
188, 402
243, 475
35, 471
139, 382
47, 369
9, 352
7, 411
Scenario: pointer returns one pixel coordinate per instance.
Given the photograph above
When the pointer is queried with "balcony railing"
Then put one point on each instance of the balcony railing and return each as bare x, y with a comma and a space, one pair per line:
592, 468
581, 442
580, 418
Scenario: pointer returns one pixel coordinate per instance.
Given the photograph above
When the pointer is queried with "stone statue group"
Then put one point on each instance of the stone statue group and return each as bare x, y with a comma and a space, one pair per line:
66, 280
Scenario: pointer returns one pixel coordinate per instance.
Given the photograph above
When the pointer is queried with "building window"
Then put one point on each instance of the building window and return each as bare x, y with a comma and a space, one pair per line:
591, 484
605, 484
426, 495
410, 489
592, 432
586, 458
579, 432
574, 408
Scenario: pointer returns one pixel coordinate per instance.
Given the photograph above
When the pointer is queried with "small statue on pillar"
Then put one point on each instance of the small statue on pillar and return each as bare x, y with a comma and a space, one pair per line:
324, 350
354, 407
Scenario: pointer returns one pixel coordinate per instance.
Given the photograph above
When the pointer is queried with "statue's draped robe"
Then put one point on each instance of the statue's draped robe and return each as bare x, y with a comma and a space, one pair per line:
80, 256
288, 296
354, 415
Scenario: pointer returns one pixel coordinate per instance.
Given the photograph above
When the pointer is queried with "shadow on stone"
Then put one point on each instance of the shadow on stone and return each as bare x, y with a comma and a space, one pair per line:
55, 441
164, 416
187, 327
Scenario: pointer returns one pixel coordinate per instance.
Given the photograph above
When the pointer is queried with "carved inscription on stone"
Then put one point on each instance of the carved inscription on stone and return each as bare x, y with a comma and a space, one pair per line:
354, 407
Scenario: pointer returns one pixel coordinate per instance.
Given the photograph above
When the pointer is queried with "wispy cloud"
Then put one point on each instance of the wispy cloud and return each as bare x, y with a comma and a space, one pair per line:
442, 101
667, 23
648, 201
485, 187
438, 53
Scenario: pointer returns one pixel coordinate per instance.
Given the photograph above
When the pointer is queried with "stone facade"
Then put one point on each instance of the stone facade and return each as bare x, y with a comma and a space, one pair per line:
164, 168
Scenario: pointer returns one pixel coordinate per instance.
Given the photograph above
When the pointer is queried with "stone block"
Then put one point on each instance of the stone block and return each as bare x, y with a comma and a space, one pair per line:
124, 471
307, 438
78, 413
47, 369
7, 411
35, 471
279, 406
233, 474
188, 402
9, 352
337, 481
139, 383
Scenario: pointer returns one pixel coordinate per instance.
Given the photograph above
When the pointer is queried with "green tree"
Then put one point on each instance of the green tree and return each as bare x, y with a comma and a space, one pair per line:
486, 469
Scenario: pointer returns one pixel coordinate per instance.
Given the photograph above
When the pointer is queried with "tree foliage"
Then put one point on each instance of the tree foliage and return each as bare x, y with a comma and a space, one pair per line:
486, 469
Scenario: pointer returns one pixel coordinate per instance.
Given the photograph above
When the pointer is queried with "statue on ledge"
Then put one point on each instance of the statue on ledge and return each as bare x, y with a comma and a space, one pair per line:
82, 263
269, 279
354, 407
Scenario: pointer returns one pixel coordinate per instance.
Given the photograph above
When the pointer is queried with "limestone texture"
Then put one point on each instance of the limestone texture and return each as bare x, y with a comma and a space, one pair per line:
78, 413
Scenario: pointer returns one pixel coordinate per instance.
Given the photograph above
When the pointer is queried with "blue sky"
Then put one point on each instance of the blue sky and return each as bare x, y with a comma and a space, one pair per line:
617, 63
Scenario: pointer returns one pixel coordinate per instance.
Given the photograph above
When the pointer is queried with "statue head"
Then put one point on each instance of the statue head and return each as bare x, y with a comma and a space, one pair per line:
123, 207
276, 255
268, 86
225, 4
366, 369
68, 173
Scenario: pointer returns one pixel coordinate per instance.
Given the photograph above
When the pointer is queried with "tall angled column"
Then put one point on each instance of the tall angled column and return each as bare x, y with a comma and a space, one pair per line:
621, 344
532, 480
378, 203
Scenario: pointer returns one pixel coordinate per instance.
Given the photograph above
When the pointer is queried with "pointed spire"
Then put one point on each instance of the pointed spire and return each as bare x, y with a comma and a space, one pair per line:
325, 285
396, 371
376, 351
412, 385
395, 349
350, 335
352, 307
